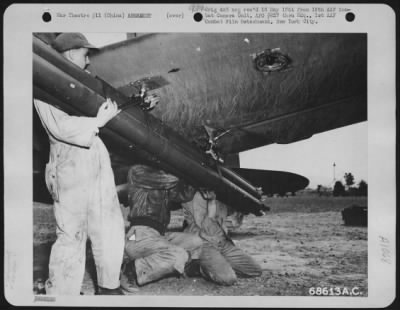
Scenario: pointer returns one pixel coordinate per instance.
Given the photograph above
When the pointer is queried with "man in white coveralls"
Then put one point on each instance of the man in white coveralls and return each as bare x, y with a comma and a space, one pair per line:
81, 181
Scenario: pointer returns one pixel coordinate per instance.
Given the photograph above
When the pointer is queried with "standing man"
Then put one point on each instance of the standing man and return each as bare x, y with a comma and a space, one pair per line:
81, 182
220, 260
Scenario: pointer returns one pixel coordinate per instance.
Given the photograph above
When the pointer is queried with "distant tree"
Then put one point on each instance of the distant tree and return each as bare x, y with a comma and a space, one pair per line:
349, 179
319, 187
338, 189
363, 188
352, 191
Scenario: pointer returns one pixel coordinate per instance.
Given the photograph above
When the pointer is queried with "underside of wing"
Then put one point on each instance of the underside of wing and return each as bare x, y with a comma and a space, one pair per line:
244, 90
274, 182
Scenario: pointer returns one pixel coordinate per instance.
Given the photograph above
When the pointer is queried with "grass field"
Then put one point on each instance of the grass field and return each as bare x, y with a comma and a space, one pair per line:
301, 243
312, 203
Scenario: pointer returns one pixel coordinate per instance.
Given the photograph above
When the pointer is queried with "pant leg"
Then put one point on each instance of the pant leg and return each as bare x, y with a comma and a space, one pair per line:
190, 242
106, 226
243, 264
107, 232
68, 253
215, 267
154, 256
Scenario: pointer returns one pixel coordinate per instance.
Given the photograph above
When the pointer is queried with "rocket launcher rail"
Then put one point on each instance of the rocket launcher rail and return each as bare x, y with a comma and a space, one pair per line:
78, 91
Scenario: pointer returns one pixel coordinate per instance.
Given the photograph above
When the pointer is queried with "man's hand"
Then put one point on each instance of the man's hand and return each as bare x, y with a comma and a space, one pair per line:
106, 112
211, 203
151, 101
209, 195
212, 208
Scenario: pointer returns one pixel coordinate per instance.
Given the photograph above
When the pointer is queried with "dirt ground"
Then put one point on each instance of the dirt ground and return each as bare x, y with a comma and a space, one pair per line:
301, 243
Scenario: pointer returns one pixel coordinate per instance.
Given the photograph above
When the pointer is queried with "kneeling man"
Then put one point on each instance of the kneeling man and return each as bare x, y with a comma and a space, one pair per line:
153, 254
220, 260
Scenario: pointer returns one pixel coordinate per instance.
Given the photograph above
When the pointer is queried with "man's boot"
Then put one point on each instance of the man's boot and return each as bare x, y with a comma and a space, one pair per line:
128, 277
192, 268
109, 291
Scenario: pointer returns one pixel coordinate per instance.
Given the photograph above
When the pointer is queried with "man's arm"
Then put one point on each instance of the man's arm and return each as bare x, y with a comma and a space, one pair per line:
77, 130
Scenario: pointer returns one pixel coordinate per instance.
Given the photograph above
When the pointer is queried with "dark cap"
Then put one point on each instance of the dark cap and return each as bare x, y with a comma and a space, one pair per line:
71, 40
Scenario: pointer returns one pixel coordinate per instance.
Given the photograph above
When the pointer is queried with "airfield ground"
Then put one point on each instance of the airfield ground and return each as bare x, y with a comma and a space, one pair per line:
301, 243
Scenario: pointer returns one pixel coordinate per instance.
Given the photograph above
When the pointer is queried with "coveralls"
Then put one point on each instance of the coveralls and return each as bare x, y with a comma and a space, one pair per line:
157, 254
220, 260
81, 181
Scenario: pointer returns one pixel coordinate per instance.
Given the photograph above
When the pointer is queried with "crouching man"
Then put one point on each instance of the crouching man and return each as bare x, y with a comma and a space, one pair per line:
151, 253
220, 260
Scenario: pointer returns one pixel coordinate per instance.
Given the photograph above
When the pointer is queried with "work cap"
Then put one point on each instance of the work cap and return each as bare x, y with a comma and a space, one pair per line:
147, 177
71, 40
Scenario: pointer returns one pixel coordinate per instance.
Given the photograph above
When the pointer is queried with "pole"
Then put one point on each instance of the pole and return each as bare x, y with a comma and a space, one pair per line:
334, 172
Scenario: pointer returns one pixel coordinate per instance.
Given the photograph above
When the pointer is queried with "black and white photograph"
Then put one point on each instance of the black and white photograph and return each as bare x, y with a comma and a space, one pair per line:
190, 104
201, 164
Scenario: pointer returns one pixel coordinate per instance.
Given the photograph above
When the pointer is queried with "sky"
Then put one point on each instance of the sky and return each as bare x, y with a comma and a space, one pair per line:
313, 158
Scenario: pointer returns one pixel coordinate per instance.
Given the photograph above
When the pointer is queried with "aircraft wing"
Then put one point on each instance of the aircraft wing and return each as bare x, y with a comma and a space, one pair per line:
246, 90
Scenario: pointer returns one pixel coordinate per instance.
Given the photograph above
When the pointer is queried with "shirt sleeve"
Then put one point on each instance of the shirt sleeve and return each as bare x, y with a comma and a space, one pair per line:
212, 231
77, 130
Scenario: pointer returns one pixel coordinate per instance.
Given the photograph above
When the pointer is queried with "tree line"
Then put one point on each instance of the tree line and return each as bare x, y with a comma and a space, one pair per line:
348, 188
